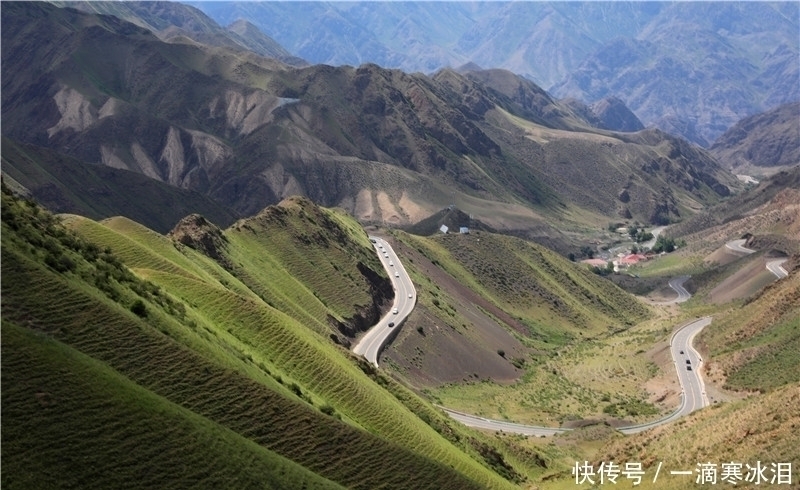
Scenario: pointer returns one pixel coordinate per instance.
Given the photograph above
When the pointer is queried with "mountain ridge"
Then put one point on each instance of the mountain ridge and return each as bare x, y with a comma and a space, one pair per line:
753, 47
763, 142
390, 147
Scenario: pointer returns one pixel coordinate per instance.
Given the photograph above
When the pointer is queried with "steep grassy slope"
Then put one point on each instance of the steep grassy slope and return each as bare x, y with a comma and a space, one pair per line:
71, 421
532, 282
218, 352
754, 347
331, 268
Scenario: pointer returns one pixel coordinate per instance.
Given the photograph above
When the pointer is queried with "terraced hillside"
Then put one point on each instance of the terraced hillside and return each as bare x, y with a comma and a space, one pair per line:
97, 353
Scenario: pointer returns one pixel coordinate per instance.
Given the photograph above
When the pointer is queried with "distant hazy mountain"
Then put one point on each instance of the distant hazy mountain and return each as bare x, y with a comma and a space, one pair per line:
697, 68
388, 146
689, 68
176, 22
614, 115
762, 144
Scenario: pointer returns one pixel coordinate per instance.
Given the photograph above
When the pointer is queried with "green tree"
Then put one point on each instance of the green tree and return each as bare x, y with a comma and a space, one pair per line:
664, 244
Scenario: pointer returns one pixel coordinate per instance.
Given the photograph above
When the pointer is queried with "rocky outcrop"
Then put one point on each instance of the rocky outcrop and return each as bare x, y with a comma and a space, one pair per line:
382, 293
198, 233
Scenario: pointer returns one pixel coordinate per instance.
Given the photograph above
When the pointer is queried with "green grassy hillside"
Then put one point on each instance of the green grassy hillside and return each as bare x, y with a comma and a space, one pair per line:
72, 421
313, 262
754, 345
198, 342
553, 295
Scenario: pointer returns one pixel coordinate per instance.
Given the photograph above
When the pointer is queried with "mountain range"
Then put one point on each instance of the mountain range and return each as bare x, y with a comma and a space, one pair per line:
388, 146
689, 68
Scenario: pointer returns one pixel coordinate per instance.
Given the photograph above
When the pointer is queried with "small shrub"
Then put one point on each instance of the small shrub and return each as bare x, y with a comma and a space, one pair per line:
296, 389
59, 262
139, 309
501, 353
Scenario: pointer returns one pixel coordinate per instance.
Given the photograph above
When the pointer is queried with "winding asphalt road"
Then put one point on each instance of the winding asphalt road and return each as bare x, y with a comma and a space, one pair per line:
773, 266
693, 395
499, 425
738, 246
405, 297
684, 356
677, 285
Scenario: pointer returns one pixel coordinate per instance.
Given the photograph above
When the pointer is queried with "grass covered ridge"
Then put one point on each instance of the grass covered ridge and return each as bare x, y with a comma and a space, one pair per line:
552, 294
194, 339
312, 262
